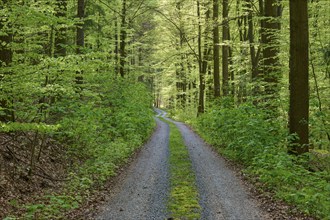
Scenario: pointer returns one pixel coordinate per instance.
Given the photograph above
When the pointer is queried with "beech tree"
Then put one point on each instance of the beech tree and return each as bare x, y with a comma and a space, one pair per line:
80, 38
271, 66
216, 49
225, 48
60, 36
6, 55
299, 88
204, 50
123, 35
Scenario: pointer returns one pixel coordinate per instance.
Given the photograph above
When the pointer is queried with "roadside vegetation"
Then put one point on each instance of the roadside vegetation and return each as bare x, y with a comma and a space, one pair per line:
247, 135
75, 100
91, 137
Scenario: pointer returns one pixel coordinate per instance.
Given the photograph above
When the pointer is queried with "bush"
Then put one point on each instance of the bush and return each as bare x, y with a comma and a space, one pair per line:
244, 131
245, 134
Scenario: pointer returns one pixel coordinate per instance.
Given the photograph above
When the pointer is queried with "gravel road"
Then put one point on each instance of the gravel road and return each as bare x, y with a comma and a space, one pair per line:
222, 194
142, 191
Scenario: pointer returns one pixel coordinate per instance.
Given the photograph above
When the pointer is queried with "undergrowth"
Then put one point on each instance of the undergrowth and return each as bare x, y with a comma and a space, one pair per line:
183, 201
101, 129
245, 134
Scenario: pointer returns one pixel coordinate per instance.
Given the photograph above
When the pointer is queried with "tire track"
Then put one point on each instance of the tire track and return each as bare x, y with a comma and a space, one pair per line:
143, 189
222, 195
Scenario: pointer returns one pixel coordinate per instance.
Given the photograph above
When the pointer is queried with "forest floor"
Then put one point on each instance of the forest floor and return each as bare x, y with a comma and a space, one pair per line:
17, 187
141, 191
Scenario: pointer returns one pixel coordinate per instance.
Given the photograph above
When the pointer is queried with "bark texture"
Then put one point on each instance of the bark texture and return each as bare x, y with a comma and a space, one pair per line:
299, 94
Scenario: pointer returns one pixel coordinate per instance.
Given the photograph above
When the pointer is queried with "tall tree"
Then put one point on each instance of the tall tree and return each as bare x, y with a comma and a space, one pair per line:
203, 55
253, 54
6, 56
123, 35
225, 48
60, 37
216, 49
180, 66
200, 62
270, 44
298, 78
116, 50
80, 39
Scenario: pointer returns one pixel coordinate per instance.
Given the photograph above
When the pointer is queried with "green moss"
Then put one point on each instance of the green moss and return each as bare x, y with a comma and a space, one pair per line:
183, 201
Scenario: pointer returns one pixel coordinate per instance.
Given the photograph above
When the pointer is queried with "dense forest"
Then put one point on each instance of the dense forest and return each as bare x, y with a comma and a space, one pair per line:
79, 79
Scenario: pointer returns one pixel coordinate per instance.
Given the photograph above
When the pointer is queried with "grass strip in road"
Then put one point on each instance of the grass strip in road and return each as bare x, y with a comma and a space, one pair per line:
183, 201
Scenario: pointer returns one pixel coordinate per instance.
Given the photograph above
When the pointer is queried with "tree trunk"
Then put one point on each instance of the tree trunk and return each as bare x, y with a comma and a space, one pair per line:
6, 56
180, 69
254, 56
203, 58
60, 37
271, 70
116, 69
216, 49
298, 78
225, 48
80, 40
200, 67
123, 36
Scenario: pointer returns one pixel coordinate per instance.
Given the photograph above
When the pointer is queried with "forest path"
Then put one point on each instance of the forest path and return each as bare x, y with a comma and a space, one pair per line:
142, 191
222, 194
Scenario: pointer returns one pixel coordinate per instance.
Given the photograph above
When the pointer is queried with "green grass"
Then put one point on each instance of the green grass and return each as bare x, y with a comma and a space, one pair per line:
183, 201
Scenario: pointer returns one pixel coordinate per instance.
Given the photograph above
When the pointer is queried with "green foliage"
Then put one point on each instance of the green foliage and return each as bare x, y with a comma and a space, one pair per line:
319, 160
245, 131
40, 127
53, 207
183, 201
101, 128
106, 132
290, 181
102, 121
245, 134
187, 115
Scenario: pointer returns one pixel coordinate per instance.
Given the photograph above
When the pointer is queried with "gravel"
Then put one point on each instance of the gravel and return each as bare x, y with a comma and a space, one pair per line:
142, 191
222, 194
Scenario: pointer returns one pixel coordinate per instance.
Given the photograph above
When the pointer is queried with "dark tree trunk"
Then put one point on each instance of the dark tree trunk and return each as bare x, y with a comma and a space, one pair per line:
60, 37
180, 72
6, 56
299, 94
116, 48
253, 54
200, 62
123, 35
225, 49
271, 64
80, 40
216, 49
203, 58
